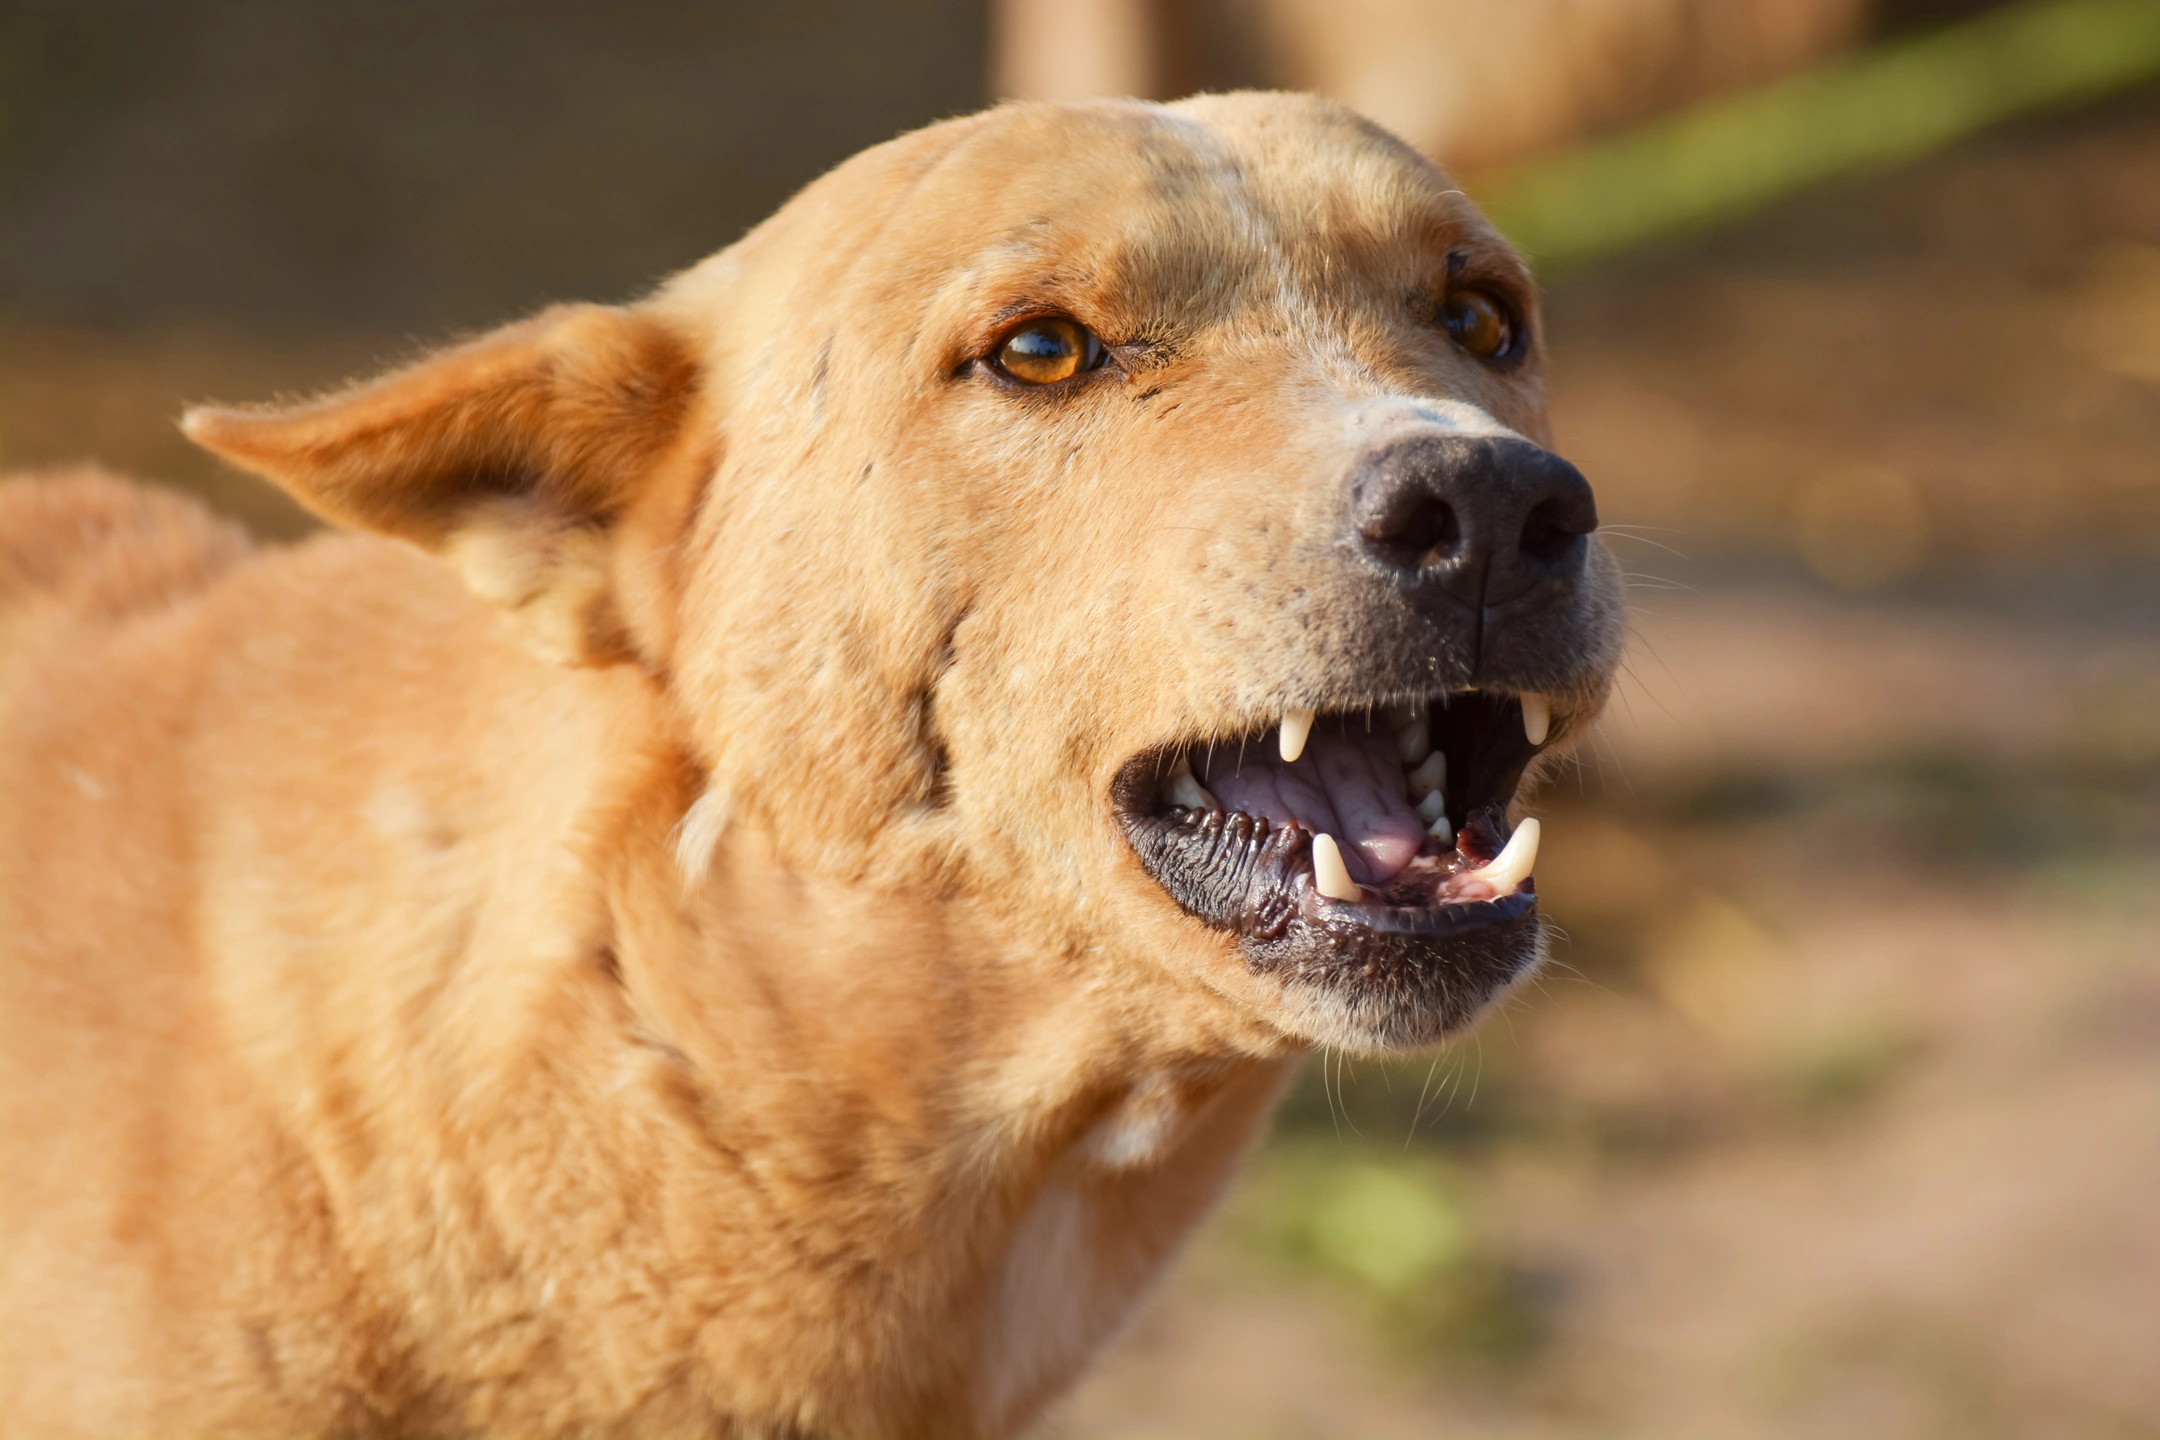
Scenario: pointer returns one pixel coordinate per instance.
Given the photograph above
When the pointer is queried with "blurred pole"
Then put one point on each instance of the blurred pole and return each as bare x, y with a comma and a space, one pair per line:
1076, 49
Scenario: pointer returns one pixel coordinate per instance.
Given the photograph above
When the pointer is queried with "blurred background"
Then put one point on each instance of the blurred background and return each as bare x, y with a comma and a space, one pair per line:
1838, 1113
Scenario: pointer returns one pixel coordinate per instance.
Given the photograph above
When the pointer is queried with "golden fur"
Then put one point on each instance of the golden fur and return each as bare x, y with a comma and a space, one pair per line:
669, 969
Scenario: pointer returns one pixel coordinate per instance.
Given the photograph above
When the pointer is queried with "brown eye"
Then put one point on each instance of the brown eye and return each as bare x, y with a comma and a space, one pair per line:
1478, 323
1043, 352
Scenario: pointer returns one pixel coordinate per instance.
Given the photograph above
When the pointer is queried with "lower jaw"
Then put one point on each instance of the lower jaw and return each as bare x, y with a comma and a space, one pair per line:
1397, 990
1364, 975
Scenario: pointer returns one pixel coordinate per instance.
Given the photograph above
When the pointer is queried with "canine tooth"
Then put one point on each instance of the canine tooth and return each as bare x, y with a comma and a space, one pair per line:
1330, 876
1536, 717
1296, 726
1414, 740
1513, 864
1432, 807
1431, 776
1183, 789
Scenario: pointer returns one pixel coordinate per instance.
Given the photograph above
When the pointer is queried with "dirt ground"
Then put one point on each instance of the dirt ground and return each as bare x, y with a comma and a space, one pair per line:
1838, 1113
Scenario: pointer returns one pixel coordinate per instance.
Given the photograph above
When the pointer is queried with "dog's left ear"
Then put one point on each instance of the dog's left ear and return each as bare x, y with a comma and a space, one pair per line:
521, 458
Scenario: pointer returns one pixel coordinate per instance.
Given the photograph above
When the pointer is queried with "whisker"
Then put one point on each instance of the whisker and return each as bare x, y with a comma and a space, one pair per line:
1622, 532
1419, 1113
1326, 1088
1612, 753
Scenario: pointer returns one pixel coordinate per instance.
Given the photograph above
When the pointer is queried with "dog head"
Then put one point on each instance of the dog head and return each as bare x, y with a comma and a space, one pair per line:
1097, 517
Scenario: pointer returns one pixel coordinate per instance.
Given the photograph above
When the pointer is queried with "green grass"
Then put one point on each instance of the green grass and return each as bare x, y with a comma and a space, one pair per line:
1882, 108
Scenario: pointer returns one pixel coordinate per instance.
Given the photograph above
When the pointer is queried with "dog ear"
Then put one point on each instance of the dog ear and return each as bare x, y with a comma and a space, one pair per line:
520, 458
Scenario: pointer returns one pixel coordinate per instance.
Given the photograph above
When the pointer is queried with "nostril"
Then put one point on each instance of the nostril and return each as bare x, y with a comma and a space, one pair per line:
1552, 536
1419, 534
1430, 526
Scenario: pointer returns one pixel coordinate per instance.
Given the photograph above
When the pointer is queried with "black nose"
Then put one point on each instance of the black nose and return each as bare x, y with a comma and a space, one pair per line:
1488, 519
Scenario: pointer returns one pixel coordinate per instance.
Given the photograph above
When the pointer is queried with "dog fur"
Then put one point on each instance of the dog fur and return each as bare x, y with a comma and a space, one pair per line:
629, 939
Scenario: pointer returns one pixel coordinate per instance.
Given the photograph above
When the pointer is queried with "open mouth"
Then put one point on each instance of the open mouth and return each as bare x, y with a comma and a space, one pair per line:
1341, 844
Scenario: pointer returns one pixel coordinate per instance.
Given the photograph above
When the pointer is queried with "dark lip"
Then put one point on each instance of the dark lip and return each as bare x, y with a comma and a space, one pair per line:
1436, 921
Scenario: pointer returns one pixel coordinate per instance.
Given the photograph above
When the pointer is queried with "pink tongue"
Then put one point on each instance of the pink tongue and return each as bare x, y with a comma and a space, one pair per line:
1348, 784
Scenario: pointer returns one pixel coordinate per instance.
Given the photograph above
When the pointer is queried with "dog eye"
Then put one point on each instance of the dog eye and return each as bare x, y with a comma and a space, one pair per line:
1478, 323
1043, 352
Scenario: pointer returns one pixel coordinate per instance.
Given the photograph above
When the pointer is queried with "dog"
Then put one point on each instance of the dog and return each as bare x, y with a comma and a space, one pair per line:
762, 878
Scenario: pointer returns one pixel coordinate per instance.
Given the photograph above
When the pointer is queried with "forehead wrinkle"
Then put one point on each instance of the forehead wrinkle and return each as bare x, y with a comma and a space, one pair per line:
1186, 252
1306, 236
1248, 270
1204, 266
1345, 189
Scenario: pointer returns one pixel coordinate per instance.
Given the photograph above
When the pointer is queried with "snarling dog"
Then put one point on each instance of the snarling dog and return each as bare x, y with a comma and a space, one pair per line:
766, 888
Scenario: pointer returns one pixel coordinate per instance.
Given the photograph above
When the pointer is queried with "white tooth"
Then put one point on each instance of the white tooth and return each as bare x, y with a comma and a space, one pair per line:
1296, 725
1513, 864
1430, 776
1536, 716
1440, 829
1330, 876
1432, 807
1414, 740
1186, 791
1181, 788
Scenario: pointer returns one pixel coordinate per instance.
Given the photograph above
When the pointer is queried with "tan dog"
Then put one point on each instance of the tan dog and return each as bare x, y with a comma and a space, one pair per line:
798, 951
